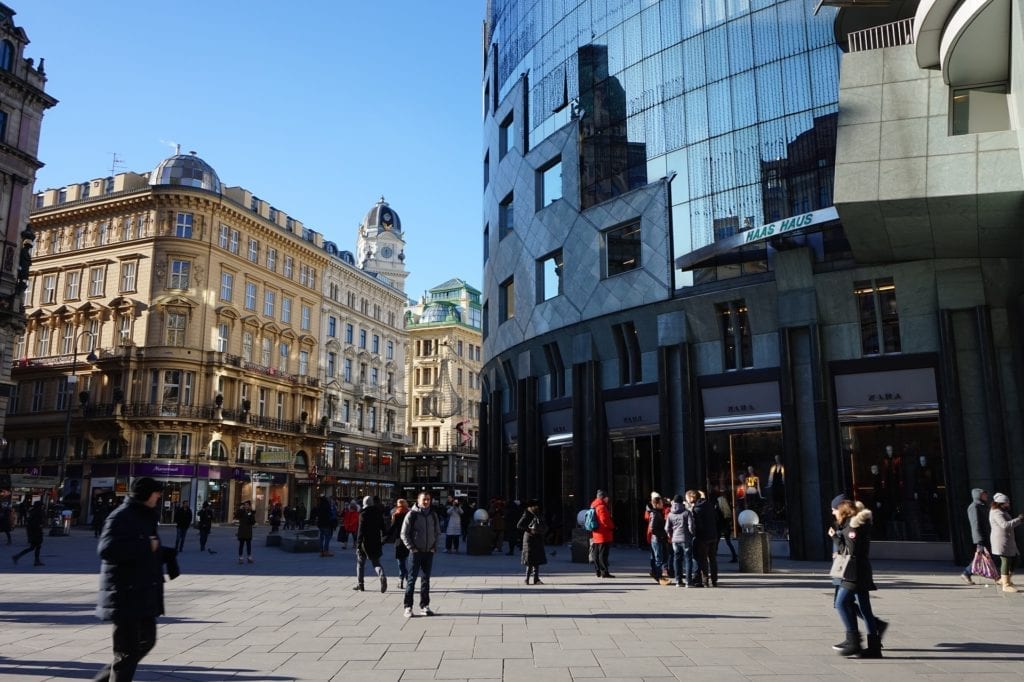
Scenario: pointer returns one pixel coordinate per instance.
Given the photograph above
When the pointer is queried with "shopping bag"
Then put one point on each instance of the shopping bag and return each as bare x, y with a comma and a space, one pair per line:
984, 565
839, 565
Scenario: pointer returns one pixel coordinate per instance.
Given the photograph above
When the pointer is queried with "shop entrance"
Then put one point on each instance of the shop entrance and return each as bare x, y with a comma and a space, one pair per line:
635, 463
559, 498
746, 466
175, 492
896, 470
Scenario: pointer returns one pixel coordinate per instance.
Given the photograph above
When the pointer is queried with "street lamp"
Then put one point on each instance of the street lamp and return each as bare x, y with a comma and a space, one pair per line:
71, 383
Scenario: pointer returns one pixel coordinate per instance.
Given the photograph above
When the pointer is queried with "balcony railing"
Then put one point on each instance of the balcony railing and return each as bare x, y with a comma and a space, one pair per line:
887, 35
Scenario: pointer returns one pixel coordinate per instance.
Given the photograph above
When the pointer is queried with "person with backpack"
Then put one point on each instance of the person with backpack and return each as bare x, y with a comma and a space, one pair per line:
602, 534
680, 529
654, 515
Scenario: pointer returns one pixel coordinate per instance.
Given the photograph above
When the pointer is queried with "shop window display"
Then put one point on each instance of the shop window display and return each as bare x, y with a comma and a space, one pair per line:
746, 466
896, 469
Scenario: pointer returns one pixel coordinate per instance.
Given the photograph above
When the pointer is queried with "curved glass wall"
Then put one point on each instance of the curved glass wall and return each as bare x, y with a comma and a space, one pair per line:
738, 97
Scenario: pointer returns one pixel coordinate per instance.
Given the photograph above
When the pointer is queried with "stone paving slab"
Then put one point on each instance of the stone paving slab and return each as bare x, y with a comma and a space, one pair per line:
295, 617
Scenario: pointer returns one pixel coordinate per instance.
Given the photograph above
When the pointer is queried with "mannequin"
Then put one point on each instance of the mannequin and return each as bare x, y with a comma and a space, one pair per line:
878, 502
753, 493
777, 485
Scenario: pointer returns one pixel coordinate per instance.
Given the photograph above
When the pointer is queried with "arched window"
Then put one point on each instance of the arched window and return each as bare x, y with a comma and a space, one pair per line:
6, 55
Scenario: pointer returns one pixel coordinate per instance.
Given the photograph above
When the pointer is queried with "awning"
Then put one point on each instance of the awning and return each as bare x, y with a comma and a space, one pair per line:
730, 249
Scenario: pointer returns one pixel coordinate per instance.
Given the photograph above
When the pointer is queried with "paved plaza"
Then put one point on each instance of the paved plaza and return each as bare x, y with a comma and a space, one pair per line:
295, 617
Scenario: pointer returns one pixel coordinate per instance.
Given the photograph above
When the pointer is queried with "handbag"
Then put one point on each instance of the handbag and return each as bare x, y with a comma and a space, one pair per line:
840, 565
984, 565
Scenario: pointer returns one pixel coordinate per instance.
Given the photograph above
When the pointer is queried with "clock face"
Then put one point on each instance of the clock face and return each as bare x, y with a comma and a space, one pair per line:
387, 252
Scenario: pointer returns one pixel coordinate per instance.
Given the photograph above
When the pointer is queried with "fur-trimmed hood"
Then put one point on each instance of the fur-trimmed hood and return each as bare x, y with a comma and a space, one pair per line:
861, 518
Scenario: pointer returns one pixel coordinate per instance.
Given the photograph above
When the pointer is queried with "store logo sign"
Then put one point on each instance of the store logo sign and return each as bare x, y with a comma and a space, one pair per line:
744, 408
884, 397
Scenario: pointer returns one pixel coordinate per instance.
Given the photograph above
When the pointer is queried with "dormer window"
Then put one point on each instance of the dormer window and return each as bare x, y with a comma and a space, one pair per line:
6, 55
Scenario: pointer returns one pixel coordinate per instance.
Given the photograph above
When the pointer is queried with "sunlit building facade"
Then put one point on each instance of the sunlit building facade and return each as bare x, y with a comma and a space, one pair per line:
673, 294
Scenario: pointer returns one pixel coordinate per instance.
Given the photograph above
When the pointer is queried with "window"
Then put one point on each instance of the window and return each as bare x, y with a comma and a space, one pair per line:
225, 236
332, 363
389, 350
286, 310
265, 352
6, 55
486, 321
284, 351
222, 338
38, 394
92, 327
261, 408
507, 300
127, 225
458, 377
247, 346
183, 226
879, 316
180, 270
556, 371
272, 260
96, 281
227, 286
346, 369
549, 183
79, 238
175, 329
254, 251
289, 266
362, 338
280, 404
375, 344
487, 169
506, 136
374, 376
303, 362
979, 109
125, 329
348, 333
64, 390
62, 196
102, 233
250, 296
627, 347
736, 341
233, 248
72, 284
128, 275
549, 277
622, 249
269, 303
306, 321
307, 276
505, 216
67, 339
332, 326
487, 237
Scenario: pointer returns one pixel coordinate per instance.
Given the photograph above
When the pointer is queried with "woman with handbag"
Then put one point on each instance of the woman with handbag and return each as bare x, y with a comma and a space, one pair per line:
534, 529
1004, 544
852, 566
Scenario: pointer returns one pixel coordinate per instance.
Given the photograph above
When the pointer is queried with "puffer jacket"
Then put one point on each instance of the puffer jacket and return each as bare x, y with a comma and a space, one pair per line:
977, 516
1003, 541
131, 577
605, 525
854, 538
679, 525
420, 530
370, 535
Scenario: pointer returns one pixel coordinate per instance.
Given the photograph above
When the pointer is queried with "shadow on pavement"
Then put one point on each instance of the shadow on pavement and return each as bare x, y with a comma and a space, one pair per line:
540, 589
86, 671
606, 615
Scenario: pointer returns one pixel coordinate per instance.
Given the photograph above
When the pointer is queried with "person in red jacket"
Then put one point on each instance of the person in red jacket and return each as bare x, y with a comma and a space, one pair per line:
601, 539
349, 525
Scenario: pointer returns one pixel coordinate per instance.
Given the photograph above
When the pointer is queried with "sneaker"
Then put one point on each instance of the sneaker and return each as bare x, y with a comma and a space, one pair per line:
408, 612
966, 578
425, 611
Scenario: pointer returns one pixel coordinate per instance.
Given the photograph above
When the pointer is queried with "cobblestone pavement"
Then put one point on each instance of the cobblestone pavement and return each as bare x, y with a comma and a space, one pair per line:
295, 617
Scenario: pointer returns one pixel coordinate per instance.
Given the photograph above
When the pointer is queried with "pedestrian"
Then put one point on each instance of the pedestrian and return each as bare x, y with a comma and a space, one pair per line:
420, 532
131, 593
395, 536
533, 528
182, 521
602, 538
852, 535
1004, 544
246, 520
453, 531
6, 521
513, 512
326, 522
34, 522
981, 531
300, 515
680, 529
705, 519
275, 517
99, 515
349, 525
205, 523
654, 515
370, 542
725, 524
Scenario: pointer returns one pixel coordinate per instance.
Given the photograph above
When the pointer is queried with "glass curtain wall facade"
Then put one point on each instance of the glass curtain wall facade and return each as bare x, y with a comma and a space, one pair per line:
738, 97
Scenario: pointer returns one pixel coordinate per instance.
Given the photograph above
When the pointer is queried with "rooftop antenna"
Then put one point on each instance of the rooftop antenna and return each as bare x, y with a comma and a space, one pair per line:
116, 162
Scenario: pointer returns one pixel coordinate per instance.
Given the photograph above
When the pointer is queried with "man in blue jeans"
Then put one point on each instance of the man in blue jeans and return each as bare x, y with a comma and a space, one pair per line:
420, 532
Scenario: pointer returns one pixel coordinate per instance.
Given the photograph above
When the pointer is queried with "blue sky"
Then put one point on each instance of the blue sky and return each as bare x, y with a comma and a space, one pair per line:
317, 106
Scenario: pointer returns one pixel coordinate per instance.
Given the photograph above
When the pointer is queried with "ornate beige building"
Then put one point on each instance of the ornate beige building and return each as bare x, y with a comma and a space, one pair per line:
22, 104
443, 379
176, 328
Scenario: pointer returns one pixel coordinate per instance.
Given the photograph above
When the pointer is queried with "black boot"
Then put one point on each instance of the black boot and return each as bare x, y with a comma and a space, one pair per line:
529, 572
881, 626
874, 648
850, 647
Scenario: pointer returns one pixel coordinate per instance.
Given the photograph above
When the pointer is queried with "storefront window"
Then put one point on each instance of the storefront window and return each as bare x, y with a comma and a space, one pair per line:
746, 466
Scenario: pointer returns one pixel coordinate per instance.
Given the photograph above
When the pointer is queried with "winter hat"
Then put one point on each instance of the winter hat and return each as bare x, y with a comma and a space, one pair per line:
367, 501
601, 493
655, 496
837, 500
143, 487
1000, 498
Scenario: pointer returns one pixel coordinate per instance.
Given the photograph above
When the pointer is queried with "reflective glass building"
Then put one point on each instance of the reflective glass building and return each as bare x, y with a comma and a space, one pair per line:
671, 299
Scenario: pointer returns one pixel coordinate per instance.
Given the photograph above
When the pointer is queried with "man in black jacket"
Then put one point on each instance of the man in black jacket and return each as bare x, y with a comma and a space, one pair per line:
706, 541
182, 520
131, 578
34, 530
369, 541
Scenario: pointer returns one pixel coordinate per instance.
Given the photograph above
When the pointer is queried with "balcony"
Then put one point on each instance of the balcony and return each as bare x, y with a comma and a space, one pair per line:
892, 34
157, 410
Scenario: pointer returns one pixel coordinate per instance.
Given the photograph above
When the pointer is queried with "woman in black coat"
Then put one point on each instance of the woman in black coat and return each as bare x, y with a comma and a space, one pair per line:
34, 532
852, 537
534, 529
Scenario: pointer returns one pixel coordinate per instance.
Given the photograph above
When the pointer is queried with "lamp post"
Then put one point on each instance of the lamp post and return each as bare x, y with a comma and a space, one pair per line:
71, 383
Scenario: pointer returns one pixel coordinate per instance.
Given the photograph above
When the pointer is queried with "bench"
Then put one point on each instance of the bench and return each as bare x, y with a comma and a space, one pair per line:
301, 541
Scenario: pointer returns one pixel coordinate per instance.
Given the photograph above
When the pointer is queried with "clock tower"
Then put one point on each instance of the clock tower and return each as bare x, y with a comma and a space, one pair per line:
380, 246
